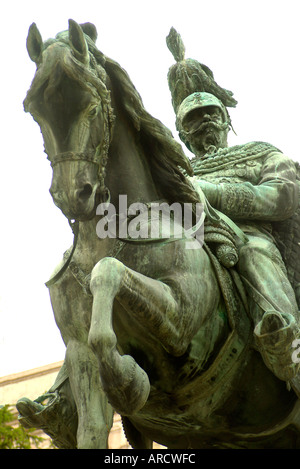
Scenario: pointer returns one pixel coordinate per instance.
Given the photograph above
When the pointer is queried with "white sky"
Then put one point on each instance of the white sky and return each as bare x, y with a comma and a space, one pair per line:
252, 46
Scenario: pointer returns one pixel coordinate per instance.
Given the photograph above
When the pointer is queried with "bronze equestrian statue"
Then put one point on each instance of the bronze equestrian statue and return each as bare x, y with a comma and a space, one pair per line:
160, 333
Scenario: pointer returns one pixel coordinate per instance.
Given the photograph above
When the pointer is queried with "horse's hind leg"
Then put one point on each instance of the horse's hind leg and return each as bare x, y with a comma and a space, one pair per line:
150, 302
95, 415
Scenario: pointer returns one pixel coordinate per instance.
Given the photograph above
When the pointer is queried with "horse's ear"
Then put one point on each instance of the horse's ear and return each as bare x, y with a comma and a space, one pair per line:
78, 42
90, 30
34, 44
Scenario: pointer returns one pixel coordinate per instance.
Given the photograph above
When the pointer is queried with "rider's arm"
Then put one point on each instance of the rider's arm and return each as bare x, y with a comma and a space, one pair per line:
274, 197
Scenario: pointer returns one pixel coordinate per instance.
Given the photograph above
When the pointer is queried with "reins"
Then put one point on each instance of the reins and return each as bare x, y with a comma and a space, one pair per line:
188, 235
75, 228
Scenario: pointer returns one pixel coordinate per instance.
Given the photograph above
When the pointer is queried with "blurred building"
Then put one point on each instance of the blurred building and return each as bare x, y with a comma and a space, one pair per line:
35, 382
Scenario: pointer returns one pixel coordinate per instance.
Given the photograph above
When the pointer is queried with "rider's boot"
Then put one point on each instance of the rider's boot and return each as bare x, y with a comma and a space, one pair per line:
274, 336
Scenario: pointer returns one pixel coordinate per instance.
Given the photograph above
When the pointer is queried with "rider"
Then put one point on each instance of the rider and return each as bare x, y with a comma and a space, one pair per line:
253, 184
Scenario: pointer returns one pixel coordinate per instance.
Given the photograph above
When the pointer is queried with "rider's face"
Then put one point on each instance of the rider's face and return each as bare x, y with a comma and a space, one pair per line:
204, 127
196, 117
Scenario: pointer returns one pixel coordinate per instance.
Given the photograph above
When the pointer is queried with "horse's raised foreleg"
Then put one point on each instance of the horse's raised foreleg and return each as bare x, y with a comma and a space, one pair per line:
150, 302
95, 415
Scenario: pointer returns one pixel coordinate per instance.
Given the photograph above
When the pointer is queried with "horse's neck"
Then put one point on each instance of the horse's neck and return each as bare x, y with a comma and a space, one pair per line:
127, 173
128, 170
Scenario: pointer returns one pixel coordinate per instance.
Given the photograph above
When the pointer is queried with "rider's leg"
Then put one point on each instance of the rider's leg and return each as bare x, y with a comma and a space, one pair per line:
273, 305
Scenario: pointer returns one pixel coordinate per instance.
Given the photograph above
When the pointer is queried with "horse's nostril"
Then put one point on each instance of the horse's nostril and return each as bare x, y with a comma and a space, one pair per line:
86, 192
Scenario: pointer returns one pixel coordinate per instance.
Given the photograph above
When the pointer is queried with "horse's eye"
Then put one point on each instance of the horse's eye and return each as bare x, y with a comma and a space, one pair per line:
93, 111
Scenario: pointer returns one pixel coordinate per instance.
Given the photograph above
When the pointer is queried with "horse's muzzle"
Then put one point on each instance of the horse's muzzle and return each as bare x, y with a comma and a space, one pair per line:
78, 204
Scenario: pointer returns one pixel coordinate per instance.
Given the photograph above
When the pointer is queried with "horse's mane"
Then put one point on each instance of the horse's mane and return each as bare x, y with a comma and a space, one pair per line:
165, 155
167, 160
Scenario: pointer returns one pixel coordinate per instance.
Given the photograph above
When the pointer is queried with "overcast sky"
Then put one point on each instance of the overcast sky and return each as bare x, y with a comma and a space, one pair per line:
252, 48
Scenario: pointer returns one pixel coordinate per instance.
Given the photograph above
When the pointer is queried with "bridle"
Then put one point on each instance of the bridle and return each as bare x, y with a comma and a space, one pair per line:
98, 157
74, 224
88, 155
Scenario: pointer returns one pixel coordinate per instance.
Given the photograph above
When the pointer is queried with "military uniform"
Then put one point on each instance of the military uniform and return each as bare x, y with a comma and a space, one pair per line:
255, 185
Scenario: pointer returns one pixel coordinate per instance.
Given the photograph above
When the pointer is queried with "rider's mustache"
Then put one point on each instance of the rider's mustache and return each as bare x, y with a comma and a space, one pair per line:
207, 124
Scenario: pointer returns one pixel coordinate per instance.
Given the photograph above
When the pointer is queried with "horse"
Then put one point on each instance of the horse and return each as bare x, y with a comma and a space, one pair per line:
154, 331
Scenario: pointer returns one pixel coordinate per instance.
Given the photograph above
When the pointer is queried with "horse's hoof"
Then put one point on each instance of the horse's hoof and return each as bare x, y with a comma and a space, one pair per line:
57, 418
137, 392
28, 410
129, 397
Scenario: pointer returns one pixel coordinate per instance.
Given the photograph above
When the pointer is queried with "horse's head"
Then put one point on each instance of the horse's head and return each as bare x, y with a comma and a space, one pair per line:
71, 103
70, 98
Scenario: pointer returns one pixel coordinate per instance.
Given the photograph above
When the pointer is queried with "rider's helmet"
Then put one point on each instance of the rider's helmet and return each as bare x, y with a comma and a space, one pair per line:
195, 101
192, 85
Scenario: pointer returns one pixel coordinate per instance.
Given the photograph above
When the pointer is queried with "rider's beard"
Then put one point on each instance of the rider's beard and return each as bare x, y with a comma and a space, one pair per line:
211, 137
207, 135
